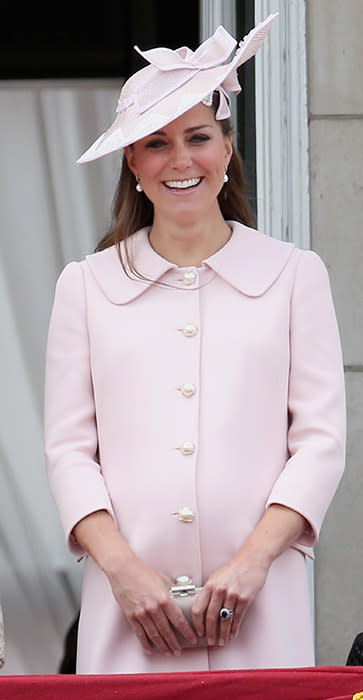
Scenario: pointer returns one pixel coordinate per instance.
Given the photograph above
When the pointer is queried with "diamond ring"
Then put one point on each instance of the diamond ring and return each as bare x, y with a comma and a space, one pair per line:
225, 613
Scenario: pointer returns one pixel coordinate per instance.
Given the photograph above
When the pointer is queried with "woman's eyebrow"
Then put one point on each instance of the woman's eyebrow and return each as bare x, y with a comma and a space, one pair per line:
196, 128
186, 131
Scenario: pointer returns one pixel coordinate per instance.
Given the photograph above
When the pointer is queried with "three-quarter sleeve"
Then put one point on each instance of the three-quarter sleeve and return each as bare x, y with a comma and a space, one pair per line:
71, 442
316, 403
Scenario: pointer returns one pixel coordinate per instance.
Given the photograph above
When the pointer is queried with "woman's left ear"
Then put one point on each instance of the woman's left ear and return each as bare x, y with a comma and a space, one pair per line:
229, 148
129, 155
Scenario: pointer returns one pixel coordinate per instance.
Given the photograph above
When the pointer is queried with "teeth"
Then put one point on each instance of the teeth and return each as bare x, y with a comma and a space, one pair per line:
183, 184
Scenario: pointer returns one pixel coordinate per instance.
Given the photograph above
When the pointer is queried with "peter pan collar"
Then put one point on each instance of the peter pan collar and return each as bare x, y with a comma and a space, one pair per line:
250, 261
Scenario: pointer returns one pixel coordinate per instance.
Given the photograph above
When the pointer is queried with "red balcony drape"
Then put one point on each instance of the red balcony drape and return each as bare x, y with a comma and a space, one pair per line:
320, 683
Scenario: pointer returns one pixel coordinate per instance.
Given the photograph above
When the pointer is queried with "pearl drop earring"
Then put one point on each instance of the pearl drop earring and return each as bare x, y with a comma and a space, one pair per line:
138, 187
225, 178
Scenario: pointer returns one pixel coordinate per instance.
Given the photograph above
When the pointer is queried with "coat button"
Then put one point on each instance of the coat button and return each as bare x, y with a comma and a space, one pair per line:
188, 390
187, 448
189, 277
183, 581
186, 515
189, 330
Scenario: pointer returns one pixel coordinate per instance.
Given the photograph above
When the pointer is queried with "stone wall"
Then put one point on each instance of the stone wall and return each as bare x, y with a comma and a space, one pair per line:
335, 79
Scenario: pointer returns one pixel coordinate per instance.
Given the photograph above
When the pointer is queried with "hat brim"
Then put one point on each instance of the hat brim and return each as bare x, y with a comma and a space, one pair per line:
130, 127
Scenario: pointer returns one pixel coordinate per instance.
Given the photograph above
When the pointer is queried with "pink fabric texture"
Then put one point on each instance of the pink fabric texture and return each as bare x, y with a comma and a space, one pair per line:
256, 334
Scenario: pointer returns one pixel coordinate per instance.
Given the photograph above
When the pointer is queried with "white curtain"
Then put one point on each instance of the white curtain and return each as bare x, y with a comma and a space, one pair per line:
52, 210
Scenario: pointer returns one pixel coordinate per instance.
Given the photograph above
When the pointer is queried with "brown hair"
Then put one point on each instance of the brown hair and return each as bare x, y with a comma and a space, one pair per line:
132, 210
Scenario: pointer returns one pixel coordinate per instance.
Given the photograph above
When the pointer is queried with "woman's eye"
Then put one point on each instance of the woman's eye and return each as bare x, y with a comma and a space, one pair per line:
199, 138
155, 144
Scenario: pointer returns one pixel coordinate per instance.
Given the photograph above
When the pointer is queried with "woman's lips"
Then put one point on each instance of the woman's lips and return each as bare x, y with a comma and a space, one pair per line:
182, 185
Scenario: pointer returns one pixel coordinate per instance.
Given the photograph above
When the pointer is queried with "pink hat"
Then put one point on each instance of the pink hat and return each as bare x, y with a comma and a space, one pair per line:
173, 83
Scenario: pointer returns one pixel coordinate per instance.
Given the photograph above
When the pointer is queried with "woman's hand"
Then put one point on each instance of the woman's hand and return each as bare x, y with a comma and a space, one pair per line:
236, 585
140, 590
233, 586
142, 593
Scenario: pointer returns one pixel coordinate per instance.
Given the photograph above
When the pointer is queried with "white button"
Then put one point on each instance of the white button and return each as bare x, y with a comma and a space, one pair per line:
188, 390
186, 515
189, 330
187, 448
183, 580
189, 277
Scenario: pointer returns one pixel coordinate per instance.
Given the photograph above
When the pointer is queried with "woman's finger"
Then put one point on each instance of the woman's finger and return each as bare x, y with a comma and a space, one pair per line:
165, 631
240, 611
153, 635
199, 608
212, 615
225, 623
179, 621
142, 637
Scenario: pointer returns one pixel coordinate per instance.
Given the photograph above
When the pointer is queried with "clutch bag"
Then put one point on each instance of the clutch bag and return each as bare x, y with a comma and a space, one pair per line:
184, 593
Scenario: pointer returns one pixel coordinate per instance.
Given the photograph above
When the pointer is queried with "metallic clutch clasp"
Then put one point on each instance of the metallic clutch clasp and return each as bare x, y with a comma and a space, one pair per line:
188, 589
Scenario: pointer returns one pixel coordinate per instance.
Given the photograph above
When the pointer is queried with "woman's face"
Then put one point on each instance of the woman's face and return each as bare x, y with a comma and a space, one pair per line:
181, 167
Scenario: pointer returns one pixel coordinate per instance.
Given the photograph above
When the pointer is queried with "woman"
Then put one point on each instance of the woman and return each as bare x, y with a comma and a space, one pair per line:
194, 395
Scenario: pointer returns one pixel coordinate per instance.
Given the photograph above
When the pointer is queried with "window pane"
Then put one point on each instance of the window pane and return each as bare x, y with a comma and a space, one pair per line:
78, 41
246, 101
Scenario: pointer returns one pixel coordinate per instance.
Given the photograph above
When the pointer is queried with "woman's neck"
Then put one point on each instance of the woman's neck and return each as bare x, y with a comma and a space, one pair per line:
187, 245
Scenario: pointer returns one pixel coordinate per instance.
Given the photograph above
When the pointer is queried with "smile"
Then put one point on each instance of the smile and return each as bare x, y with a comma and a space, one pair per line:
183, 184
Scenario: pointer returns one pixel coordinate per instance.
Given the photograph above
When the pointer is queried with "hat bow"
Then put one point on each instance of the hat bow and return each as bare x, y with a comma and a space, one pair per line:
172, 69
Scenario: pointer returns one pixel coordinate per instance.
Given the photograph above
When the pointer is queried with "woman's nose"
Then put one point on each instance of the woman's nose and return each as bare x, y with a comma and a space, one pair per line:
180, 157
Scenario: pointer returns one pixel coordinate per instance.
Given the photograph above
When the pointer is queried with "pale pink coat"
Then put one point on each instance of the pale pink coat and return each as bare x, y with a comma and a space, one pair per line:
267, 421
